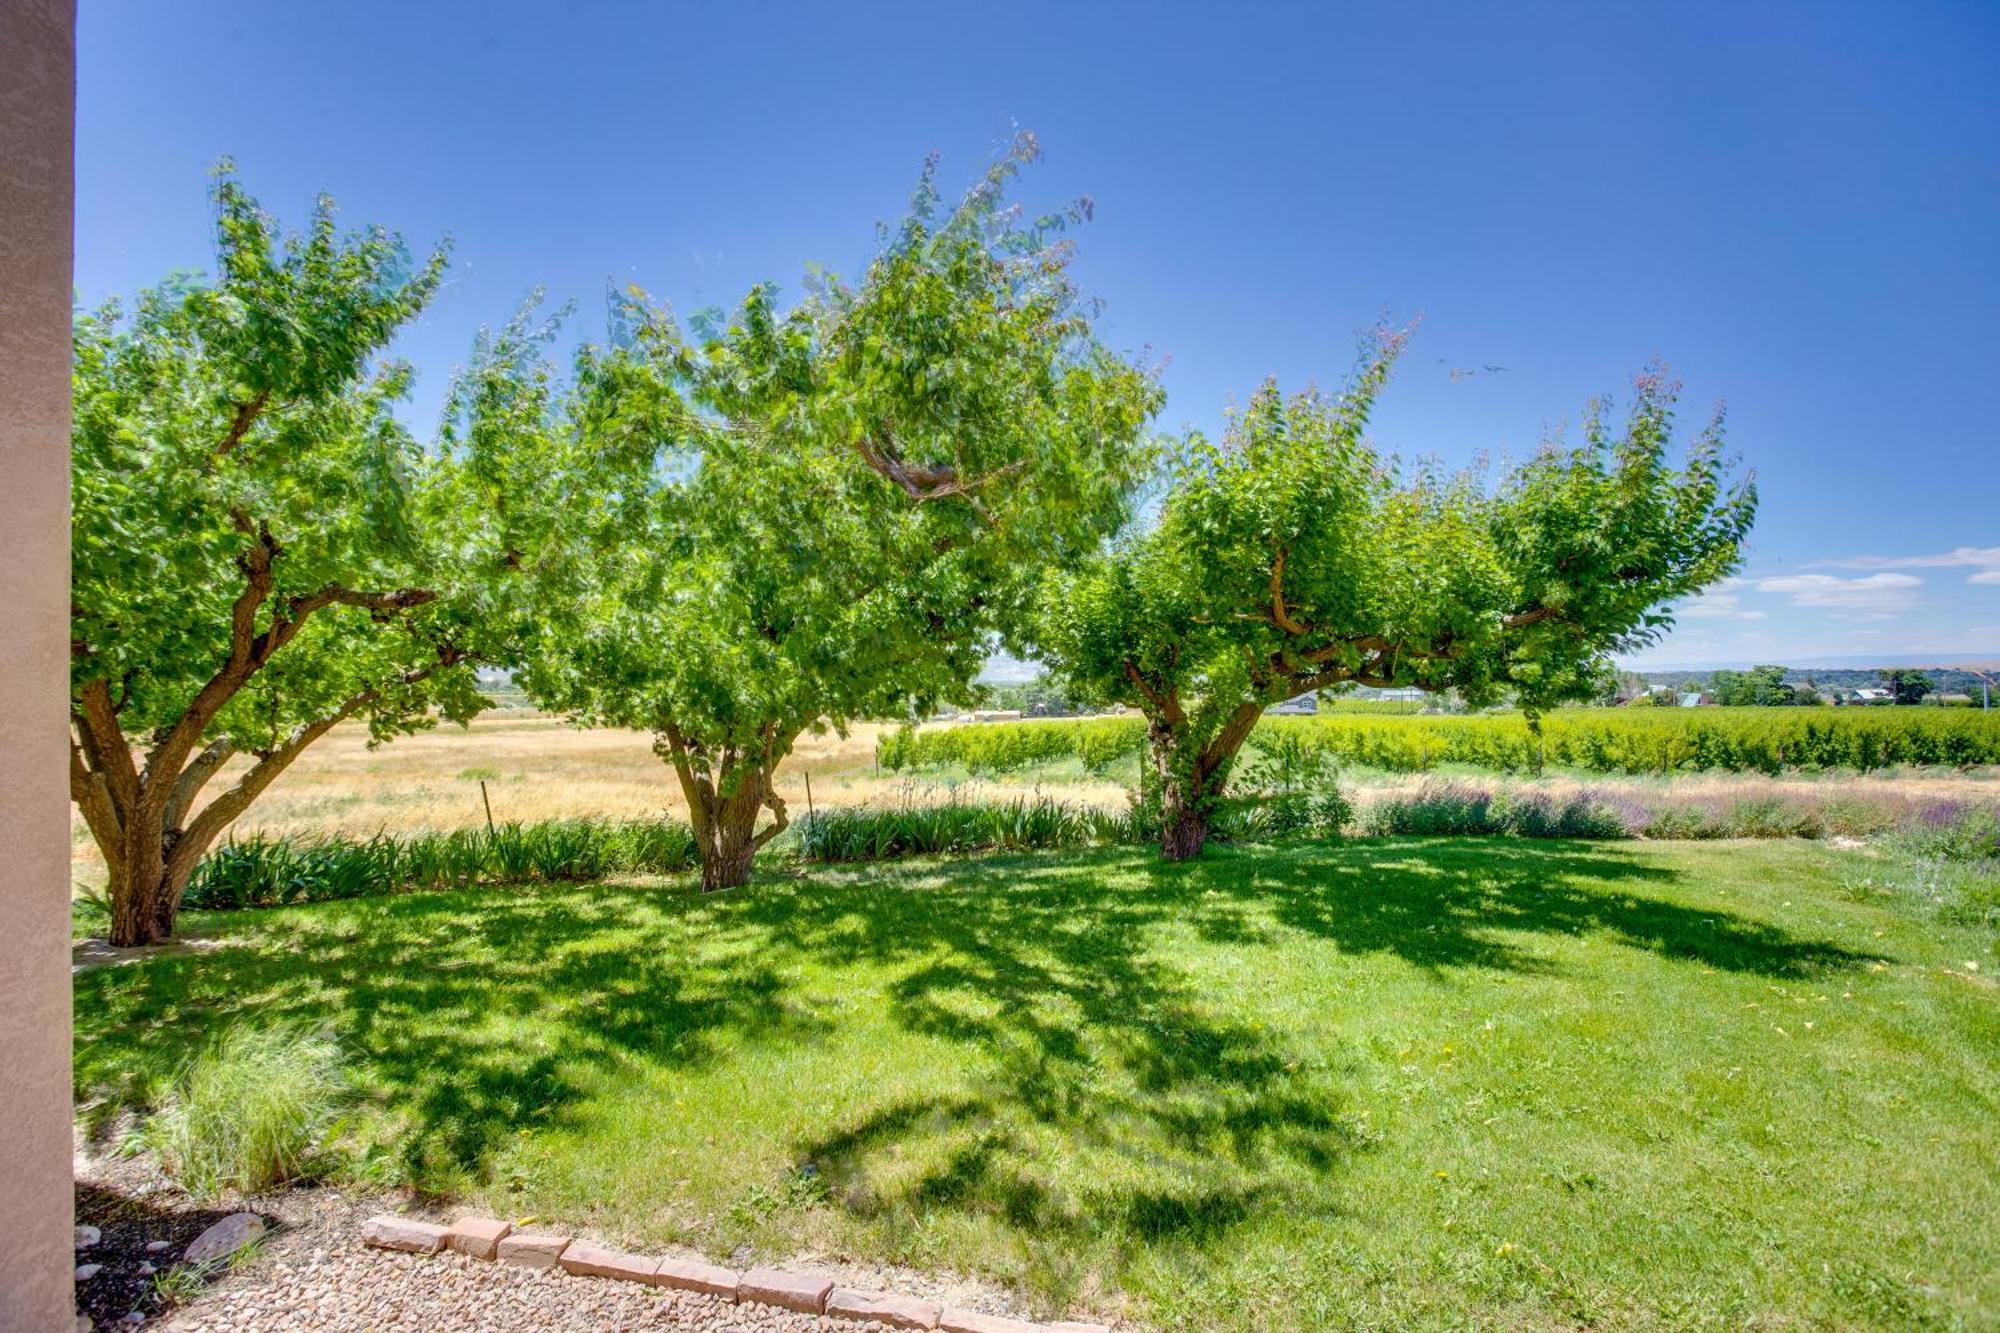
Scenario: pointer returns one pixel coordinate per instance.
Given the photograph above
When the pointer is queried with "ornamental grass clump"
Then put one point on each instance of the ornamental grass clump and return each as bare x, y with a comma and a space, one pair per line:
1441, 808
1955, 831
257, 1109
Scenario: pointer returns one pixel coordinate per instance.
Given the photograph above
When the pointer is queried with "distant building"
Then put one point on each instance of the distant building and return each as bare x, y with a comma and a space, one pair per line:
1693, 699
1870, 694
1304, 703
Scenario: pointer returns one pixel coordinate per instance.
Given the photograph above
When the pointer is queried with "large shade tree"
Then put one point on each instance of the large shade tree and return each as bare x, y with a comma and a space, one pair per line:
260, 549
1291, 556
783, 519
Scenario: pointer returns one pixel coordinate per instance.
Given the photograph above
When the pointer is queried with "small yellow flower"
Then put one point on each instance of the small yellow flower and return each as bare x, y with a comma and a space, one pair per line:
1506, 1248
1442, 1175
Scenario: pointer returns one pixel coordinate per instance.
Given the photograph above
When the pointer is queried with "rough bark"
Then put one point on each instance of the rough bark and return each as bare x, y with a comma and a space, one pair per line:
1186, 776
727, 788
1191, 774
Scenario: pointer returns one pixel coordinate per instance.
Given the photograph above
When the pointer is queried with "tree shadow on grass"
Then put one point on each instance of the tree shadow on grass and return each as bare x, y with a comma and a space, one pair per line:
1105, 1094
1178, 1118
467, 1016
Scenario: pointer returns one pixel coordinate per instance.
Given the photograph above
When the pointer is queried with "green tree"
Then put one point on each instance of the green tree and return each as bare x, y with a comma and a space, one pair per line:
256, 540
783, 520
1291, 557
1759, 687
1908, 684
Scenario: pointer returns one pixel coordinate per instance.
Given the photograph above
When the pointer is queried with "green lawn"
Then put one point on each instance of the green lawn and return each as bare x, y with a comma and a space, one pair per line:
1386, 1084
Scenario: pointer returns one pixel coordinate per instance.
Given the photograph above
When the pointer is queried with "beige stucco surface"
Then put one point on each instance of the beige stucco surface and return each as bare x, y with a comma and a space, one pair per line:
37, 117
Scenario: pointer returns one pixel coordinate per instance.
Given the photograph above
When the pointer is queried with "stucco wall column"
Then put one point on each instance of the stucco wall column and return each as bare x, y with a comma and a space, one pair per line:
37, 147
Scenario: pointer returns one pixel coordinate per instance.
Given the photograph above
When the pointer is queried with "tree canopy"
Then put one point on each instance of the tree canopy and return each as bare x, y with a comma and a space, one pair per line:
260, 549
782, 518
1759, 687
1291, 555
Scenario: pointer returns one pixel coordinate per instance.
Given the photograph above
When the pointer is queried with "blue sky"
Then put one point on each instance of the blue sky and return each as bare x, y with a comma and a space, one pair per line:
1796, 206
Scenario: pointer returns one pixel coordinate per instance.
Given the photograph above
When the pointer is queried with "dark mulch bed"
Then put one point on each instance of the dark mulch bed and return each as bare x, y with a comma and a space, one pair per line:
129, 1221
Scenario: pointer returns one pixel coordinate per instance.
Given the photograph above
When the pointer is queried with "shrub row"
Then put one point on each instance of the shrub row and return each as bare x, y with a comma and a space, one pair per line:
1639, 740
1762, 740
267, 872
865, 833
995, 747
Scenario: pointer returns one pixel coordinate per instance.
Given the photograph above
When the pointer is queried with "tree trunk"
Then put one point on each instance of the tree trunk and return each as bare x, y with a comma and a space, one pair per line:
1183, 830
726, 862
1190, 776
1180, 781
726, 792
145, 886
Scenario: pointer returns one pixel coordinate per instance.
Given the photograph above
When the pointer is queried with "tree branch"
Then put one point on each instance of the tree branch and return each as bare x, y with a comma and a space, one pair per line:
100, 812
1166, 705
104, 742
239, 425
194, 777
223, 810
924, 482
772, 801
1281, 615
1532, 616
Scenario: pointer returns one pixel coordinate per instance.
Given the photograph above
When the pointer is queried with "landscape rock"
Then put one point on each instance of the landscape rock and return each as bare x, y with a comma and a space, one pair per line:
883, 1308
786, 1290
693, 1275
225, 1238
387, 1232
85, 1272
532, 1249
87, 1236
158, 1246
478, 1237
587, 1260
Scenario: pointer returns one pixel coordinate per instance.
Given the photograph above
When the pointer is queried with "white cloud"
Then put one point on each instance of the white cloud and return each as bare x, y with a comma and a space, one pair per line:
1722, 602
1983, 560
1880, 594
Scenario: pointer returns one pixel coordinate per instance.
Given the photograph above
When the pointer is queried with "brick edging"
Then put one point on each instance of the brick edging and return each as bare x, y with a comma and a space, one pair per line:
493, 1240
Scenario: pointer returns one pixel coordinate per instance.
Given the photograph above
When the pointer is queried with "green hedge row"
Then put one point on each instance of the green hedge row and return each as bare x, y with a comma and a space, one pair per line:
1594, 740
995, 747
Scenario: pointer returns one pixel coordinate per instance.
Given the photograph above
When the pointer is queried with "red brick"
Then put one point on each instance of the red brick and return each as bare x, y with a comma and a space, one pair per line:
693, 1275
477, 1236
587, 1260
883, 1308
532, 1249
403, 1233
788, 1291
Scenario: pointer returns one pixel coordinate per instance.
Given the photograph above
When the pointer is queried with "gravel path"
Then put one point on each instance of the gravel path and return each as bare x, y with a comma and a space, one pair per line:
311, 1272
351, 1289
